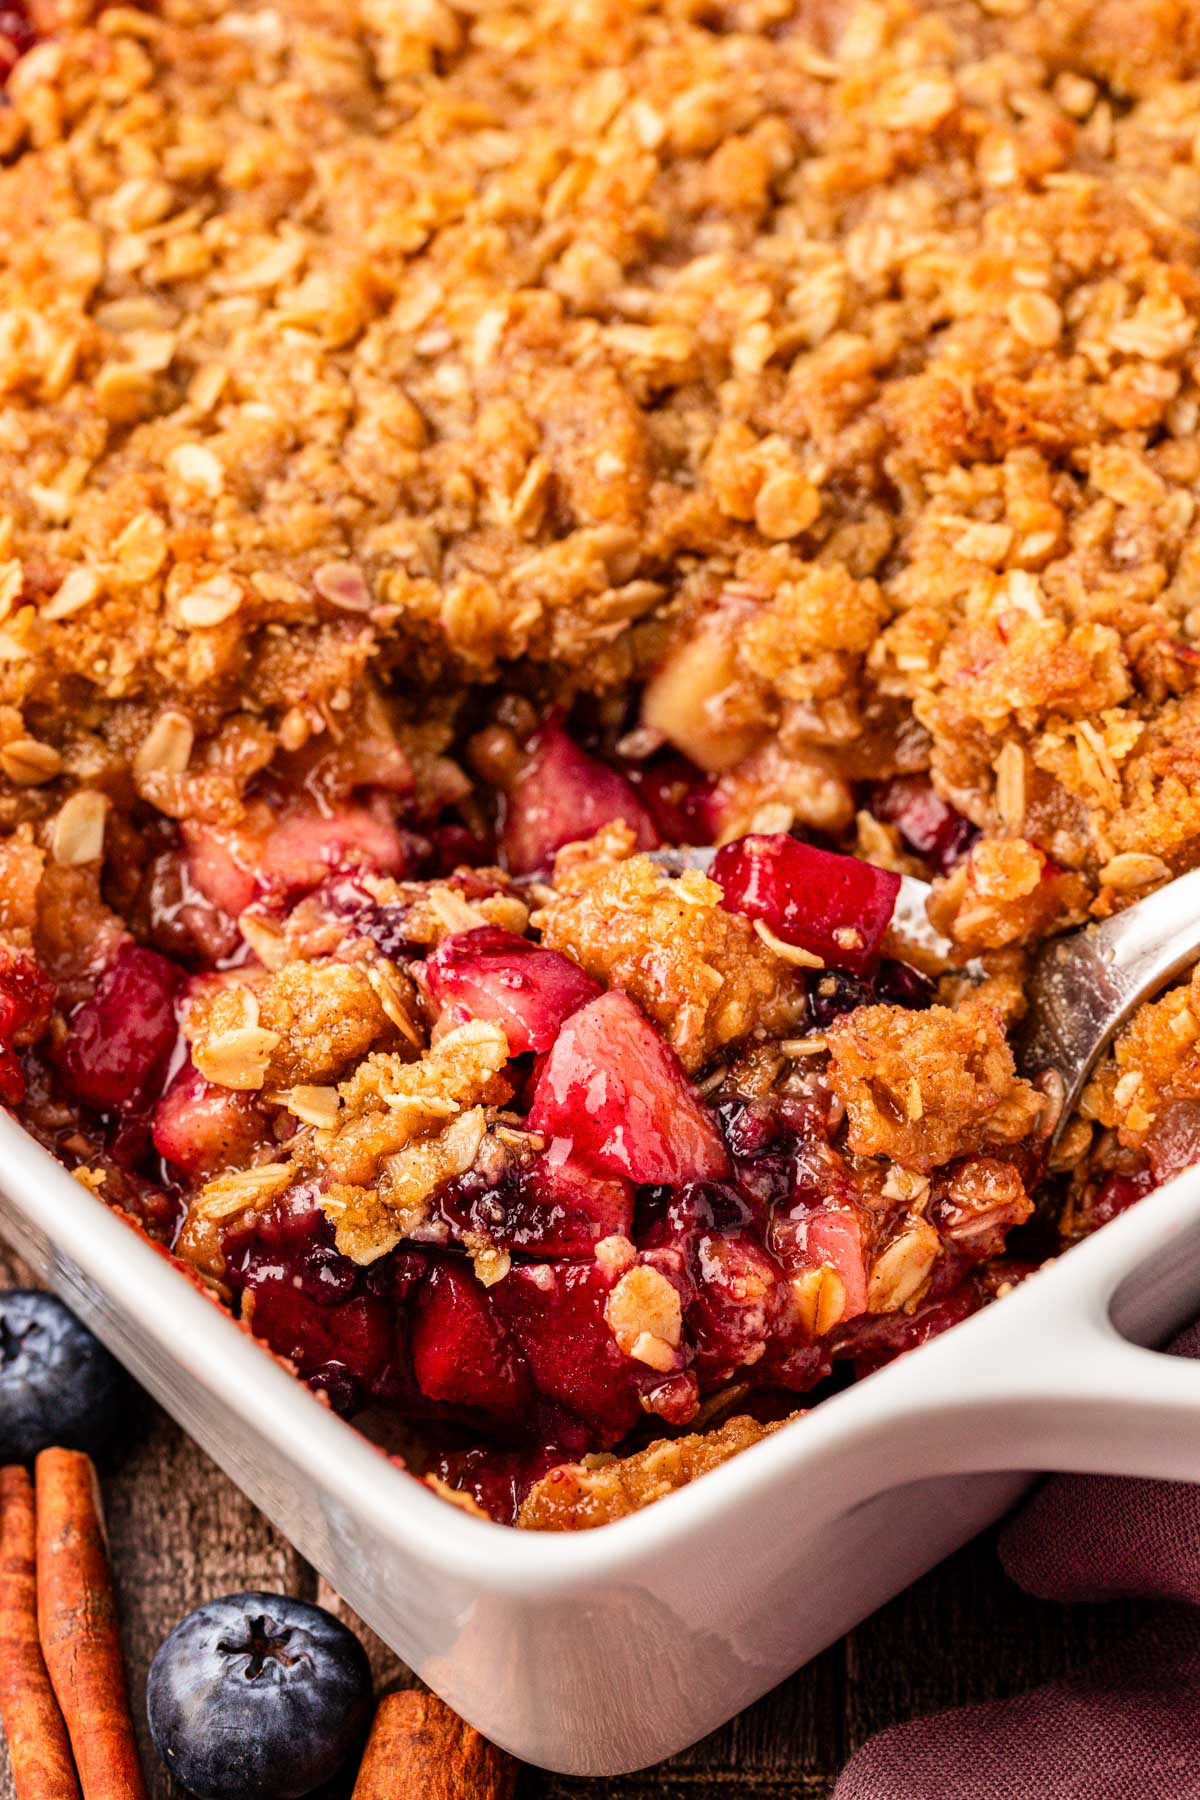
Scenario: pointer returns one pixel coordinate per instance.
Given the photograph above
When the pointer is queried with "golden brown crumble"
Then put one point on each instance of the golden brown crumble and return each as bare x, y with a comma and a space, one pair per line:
1006, 892
370, 1219
304, 1024
340, 340
1154, 1062
701, 973
577, 1496
325, 1015
924, 1088
645, 1316
982, 1199
389, 1099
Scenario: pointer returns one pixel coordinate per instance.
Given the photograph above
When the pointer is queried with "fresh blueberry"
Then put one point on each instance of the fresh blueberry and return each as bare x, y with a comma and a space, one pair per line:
58, 1384
257, 1697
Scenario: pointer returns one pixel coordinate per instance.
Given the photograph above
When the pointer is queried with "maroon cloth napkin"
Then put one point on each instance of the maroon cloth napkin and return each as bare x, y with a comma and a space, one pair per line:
1128, 1728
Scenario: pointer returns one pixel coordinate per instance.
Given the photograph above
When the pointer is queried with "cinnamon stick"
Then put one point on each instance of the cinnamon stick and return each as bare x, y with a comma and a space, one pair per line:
77, 1622
38, 1749
419, 1749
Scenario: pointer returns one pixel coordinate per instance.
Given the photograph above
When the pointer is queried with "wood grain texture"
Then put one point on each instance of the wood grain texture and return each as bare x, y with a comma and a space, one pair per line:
182, 1533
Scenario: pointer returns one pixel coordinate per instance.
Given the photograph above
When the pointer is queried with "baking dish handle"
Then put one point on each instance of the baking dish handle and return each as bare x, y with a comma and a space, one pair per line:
1112, 1408
1059, 1377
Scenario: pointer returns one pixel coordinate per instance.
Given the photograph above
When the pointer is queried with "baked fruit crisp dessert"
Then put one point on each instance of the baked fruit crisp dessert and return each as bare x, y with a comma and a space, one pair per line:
450, 450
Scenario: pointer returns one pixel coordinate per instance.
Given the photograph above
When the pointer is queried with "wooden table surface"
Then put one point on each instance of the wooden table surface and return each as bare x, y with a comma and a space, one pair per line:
182, 1533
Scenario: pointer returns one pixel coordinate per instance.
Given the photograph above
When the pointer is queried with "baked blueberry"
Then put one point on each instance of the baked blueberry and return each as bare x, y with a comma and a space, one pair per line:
257, 1697
58, 1384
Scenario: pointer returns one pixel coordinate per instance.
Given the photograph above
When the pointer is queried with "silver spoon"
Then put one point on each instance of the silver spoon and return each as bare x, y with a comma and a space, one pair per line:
1083, 986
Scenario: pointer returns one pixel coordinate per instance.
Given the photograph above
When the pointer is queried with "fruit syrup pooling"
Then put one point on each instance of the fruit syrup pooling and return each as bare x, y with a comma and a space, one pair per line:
724, 1199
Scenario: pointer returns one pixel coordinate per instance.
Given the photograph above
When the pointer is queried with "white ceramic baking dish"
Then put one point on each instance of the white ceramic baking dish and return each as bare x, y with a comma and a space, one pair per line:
600, 1652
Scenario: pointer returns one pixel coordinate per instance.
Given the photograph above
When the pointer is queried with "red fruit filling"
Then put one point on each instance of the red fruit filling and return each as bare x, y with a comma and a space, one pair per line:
737, 1291
624, 1249
555, 1313
621, 1189
678, 798
181, 921
870, 1343
572, 1207
1118, 1193
498, 1480
461, 1352
834, 906
26, 997
529, 1358
548, 1206
312, 1305
562, 794
927, 824
613, 1093
120, 1041
17, 35
287, 855
1173, 1141
200, 1128
495, 975
620, 1175
833, 1239
832, 992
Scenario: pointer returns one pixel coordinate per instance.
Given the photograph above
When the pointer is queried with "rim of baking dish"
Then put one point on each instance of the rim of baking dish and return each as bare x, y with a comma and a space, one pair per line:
189, 1328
